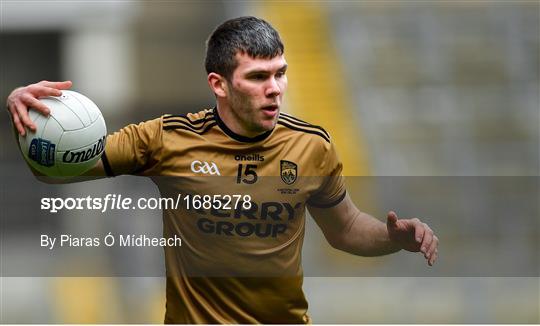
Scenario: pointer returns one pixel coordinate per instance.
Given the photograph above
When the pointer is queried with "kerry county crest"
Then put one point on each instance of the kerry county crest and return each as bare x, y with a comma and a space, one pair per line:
289, 171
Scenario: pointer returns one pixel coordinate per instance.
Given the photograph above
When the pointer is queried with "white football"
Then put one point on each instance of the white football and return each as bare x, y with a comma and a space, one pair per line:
70, 140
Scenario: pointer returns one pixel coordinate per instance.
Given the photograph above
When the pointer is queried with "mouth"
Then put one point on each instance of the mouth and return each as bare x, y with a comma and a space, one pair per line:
271, 107
270, 111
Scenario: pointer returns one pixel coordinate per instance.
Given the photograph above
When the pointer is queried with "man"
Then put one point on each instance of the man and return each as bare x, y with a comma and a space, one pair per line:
242, 264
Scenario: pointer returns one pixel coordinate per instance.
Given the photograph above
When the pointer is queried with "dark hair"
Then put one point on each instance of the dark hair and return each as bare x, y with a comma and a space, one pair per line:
250, 35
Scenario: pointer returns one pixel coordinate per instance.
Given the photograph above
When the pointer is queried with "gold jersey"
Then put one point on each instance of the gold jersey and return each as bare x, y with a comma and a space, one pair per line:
242, 224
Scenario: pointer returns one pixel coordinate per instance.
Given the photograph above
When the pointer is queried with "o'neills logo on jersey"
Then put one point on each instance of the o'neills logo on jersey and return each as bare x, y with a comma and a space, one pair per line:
250, 157
288, 171
85, 154
204, 167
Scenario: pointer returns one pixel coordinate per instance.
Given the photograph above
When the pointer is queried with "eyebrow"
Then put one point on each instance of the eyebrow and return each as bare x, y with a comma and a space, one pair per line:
262, 71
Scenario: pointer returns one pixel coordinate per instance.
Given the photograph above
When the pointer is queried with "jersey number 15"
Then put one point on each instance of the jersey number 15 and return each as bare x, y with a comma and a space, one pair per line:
249, 174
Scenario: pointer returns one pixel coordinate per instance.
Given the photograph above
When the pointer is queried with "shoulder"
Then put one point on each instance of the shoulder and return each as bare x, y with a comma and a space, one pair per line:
310, 142
296, 126
147, 127
197, 122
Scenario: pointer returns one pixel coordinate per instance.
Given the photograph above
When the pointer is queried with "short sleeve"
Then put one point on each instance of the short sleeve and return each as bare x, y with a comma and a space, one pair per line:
134, 149
332, 190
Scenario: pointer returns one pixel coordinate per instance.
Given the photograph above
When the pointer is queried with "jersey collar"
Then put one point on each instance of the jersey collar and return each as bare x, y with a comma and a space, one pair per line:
236, 136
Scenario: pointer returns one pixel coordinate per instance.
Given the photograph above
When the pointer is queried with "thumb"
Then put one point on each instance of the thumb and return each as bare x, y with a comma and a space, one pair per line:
391, 219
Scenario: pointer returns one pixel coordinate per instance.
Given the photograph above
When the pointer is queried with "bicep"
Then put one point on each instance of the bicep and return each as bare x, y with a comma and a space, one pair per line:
133, 149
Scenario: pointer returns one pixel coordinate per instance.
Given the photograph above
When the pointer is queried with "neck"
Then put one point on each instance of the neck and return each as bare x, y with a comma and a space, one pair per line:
224, 113
231, 121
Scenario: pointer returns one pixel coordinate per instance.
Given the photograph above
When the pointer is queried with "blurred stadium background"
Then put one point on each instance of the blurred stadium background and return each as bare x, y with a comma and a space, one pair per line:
408, 89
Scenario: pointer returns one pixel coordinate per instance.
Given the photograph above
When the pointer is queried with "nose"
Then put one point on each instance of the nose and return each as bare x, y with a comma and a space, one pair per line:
272, 89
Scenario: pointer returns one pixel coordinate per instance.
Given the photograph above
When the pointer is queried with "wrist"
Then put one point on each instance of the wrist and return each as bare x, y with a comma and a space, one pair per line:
393, 245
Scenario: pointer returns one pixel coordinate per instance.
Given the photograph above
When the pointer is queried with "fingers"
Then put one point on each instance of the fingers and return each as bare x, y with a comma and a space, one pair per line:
418, 231
46, 91
426, 240
34, 103
57, 85
22, 113
17, 123
429, 244
20, 117
433, 251
22, 104
38, 90
433, 259
429, 241
23, 98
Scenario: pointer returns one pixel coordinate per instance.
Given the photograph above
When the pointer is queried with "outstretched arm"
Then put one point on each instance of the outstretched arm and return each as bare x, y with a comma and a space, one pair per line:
347, 228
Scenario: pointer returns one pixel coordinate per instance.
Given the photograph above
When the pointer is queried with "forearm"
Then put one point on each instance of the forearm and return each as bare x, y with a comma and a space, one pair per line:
366, 236
348, 229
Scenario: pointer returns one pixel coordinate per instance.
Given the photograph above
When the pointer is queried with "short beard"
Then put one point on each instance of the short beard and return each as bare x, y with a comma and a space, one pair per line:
238, 105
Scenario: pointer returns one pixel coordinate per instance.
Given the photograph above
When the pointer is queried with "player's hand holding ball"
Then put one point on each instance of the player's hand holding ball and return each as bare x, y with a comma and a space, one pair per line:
61, 132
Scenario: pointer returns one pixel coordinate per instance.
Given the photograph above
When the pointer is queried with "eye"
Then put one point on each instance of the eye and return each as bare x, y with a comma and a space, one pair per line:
257, 77
280, 74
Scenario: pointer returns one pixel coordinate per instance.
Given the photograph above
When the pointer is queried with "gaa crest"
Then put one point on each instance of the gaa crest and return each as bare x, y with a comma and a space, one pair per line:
288, 171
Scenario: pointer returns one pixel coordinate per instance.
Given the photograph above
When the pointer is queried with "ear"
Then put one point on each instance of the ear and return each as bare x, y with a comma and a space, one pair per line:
218, 84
